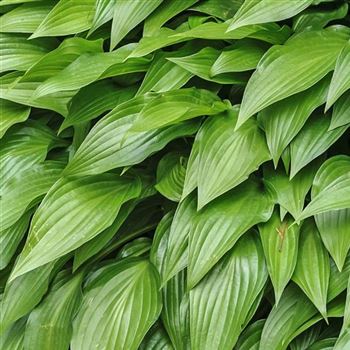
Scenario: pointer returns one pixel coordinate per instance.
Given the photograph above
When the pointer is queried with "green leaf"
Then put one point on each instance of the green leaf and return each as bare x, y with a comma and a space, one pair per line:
220, 303
67, 17
334, 228
284, 119
250, 337
49, 325
221, 223
26, 17
280, 244
22, 189
95, 99
156, 339
217, 8
239, 57
12, 113
291, 68
312, 269
340, 79
106, 146
18, 53
137, 247
176, 258
120, 307
12, 339
225, 156
324, 344
173, 106
290, 194
341, 112
127, 15
11, 237
103, 13
167, 10
263, 11
171, 173
331, 187
69, 203
314, 139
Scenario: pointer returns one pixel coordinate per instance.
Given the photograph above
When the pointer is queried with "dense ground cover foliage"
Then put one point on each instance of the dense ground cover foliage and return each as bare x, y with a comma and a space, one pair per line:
175, 174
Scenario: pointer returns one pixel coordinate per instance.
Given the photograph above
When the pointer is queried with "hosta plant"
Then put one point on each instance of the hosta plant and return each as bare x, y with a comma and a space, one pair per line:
175, 174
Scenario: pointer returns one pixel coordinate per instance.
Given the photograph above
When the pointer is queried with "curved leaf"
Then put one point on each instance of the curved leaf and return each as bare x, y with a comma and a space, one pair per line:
156, 339
111, 316
250, 338
12, 339
103, 13
220, 303
341, 112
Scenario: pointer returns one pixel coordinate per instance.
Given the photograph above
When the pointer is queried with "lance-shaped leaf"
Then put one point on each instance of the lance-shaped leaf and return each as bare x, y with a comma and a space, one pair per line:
226, 157
13, 338
312, 270
12, 113
223, 10
26, 17
119, 308
290, 194
138, 247
314, 139
101, 65
127, 15
156, 339
68, 204
176, 258
95, 99
201, 63
67, 17
221, 223
238, 58
280, 244
263, 11
24, 187
341, 77
341, 112
167, 10
283, 120
18, 53
220, 303
250, 338
49, 325
102, 14
11, 237
331, 187
106, 146
171, 173
294, 67
334, 228
174, 106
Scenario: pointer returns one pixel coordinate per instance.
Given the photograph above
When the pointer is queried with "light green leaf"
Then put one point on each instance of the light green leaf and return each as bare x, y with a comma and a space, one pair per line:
341, 77
221, 223
331, 187
49, 325
239, 57
11, 237
167, 10
173, 106
73, 201
280, 244
11, 113
119, 308
18, 193
250, 337
324, 344
95, 99
12, 339
290, 194
225, 156
314, 139
264, 11
312, 269
103, 13
341, 112
106, 146
291, 68
127, 15
201, 63
67, 17
171, 173
334, 228
217, 8
18, 53
26, 17
283, 120
137, 247
220, 303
